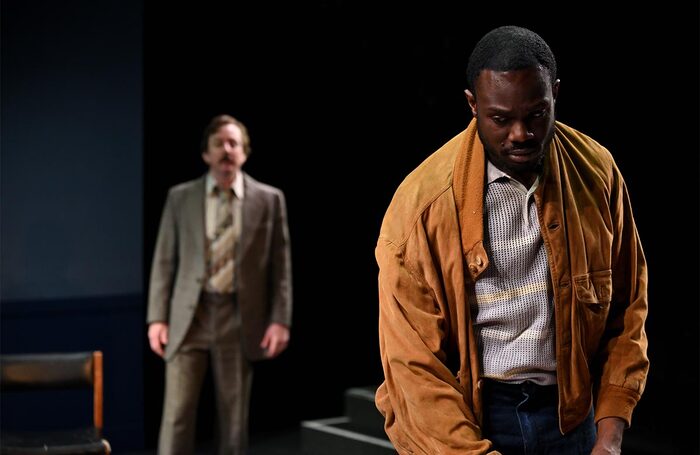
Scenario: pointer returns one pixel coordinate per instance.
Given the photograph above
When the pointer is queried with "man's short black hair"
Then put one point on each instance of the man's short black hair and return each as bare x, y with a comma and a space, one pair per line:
509, 48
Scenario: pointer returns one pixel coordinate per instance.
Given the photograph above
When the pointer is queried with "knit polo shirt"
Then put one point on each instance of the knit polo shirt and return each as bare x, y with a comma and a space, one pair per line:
512, 306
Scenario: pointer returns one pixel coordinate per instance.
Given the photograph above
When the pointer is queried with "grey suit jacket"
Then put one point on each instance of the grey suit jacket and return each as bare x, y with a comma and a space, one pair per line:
263, 263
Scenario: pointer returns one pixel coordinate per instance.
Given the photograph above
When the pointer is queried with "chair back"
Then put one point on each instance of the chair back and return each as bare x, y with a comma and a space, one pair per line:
56, 370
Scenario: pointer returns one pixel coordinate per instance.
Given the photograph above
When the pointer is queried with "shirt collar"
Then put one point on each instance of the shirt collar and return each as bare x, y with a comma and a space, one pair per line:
493, 174
237, 186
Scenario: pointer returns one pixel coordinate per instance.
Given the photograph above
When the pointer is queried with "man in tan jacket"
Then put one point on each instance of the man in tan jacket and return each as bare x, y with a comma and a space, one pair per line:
220, 289
512, 282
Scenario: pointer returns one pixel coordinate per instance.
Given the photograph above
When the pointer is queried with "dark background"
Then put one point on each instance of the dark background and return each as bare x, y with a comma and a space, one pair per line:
342, 100
71, 201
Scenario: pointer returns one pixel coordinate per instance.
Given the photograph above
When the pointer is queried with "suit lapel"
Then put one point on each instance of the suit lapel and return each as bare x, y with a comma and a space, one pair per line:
252, 213
194, 207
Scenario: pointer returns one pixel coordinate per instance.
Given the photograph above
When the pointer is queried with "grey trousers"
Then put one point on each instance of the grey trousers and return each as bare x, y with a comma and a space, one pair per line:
214, 335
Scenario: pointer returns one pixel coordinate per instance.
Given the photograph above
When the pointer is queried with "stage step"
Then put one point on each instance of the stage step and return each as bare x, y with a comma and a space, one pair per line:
359, 432
360, 407
338, 436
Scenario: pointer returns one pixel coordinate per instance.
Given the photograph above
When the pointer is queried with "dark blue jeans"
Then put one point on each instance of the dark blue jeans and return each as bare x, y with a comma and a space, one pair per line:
522, 419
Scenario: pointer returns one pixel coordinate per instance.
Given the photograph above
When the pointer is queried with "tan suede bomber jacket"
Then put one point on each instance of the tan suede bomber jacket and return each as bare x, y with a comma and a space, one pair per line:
430, 249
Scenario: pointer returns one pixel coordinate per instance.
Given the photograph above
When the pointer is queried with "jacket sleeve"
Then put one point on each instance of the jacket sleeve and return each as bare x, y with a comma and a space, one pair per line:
421, 400
281, 266
623, 362
164, 266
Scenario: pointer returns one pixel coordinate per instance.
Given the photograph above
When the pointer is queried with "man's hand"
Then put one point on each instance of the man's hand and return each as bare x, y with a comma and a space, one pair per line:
275, 340
158, 337
609, 440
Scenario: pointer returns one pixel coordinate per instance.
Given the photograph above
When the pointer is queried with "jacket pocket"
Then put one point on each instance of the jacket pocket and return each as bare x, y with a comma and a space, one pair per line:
593, 295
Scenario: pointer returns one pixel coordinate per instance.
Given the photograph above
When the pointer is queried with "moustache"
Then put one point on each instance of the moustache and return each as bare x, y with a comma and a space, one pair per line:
529, 147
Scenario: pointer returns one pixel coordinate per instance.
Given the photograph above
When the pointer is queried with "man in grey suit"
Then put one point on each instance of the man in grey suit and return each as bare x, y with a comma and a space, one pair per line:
220, 289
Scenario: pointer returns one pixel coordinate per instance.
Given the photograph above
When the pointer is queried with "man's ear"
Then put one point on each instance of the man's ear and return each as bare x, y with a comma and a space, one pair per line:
471, 99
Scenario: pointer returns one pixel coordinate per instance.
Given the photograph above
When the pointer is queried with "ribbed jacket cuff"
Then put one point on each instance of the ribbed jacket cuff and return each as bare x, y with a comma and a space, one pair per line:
616, 401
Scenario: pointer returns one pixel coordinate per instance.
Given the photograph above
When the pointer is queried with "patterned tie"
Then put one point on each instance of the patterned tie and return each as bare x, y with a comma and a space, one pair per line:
221, 247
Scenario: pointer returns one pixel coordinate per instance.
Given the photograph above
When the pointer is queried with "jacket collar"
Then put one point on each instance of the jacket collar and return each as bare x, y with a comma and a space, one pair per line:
468, 187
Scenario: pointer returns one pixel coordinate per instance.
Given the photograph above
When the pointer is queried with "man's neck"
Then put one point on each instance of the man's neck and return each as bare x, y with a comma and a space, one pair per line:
226, 181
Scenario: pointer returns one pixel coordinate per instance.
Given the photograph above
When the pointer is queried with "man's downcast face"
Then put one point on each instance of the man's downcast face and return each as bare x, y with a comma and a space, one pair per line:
515, 119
